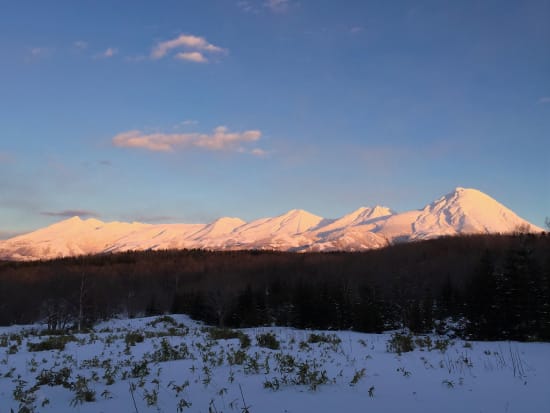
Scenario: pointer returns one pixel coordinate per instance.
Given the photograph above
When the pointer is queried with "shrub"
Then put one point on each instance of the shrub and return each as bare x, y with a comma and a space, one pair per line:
228, 334
223, 333
268, 340
82, 393
357, 376
324, 338
245, 340
236, 357
54, 378
167, 352
442, 344
133, 337
164, 319
400, 343
51, 343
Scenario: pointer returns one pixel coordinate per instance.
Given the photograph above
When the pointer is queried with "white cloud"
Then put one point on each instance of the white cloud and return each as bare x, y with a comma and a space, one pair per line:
356, 29
81, 45
277, 6
221, 139
107, 54
247, 6
194, 47
110, 52
196, 57
258, 152
544, 99
37, 53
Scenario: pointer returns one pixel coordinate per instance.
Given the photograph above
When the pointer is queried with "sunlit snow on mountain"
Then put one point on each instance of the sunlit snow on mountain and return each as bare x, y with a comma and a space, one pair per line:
463, 211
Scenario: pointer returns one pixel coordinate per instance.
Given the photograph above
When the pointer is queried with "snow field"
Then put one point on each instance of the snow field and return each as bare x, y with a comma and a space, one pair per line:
174, 364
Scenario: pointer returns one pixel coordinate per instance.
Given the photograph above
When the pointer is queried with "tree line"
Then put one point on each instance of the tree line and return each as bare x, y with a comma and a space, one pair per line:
498, 285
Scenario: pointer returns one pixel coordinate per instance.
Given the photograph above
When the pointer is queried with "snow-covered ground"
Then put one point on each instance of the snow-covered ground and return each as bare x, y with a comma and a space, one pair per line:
174, 364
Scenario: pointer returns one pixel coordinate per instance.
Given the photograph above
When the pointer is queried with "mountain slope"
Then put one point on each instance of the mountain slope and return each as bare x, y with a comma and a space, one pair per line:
463, 211
71, 237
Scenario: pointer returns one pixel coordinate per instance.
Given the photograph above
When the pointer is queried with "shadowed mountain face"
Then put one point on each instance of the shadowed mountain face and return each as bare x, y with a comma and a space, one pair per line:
463, 211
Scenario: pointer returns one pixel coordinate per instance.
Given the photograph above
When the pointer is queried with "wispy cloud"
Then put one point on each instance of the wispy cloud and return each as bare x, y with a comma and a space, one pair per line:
194, 47
107, 53
247, 6
80, 45
153, 218
37, 53
82, 213
219, 140
259, 6
545, 99
110, 52
258, 152
356, 29
186, 124
278, 6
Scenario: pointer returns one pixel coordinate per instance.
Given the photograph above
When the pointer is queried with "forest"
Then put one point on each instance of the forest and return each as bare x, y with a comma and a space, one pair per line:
482, 287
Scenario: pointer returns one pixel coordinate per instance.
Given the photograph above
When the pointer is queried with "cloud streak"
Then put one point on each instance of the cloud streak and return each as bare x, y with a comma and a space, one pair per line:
108, 53
277, 6
221, 139
80, 45
37, 53
153, 218
69, 213
257, 6
195, 48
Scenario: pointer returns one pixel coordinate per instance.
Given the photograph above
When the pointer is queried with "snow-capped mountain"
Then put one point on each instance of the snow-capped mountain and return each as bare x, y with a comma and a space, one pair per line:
463, 211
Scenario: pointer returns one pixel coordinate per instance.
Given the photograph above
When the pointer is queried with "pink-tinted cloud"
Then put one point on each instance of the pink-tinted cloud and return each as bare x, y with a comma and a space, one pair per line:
196, 57
221, 139
195, 47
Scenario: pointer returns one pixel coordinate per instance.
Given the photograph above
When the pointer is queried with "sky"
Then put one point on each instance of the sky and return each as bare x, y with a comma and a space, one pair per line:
186, 111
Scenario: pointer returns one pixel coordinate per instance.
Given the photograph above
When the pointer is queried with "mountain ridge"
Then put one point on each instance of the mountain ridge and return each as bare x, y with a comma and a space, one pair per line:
462, 211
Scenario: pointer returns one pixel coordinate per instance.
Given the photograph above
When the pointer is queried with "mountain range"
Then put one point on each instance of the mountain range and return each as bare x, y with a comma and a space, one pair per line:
463, 211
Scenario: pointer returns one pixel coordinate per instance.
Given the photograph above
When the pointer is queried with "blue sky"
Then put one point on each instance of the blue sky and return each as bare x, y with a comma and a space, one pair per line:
184, 111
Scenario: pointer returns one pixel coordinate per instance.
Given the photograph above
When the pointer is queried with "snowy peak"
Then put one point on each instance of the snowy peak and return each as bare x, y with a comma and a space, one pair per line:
221, 226
467, 211
297, 221
358, 217
463, 211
